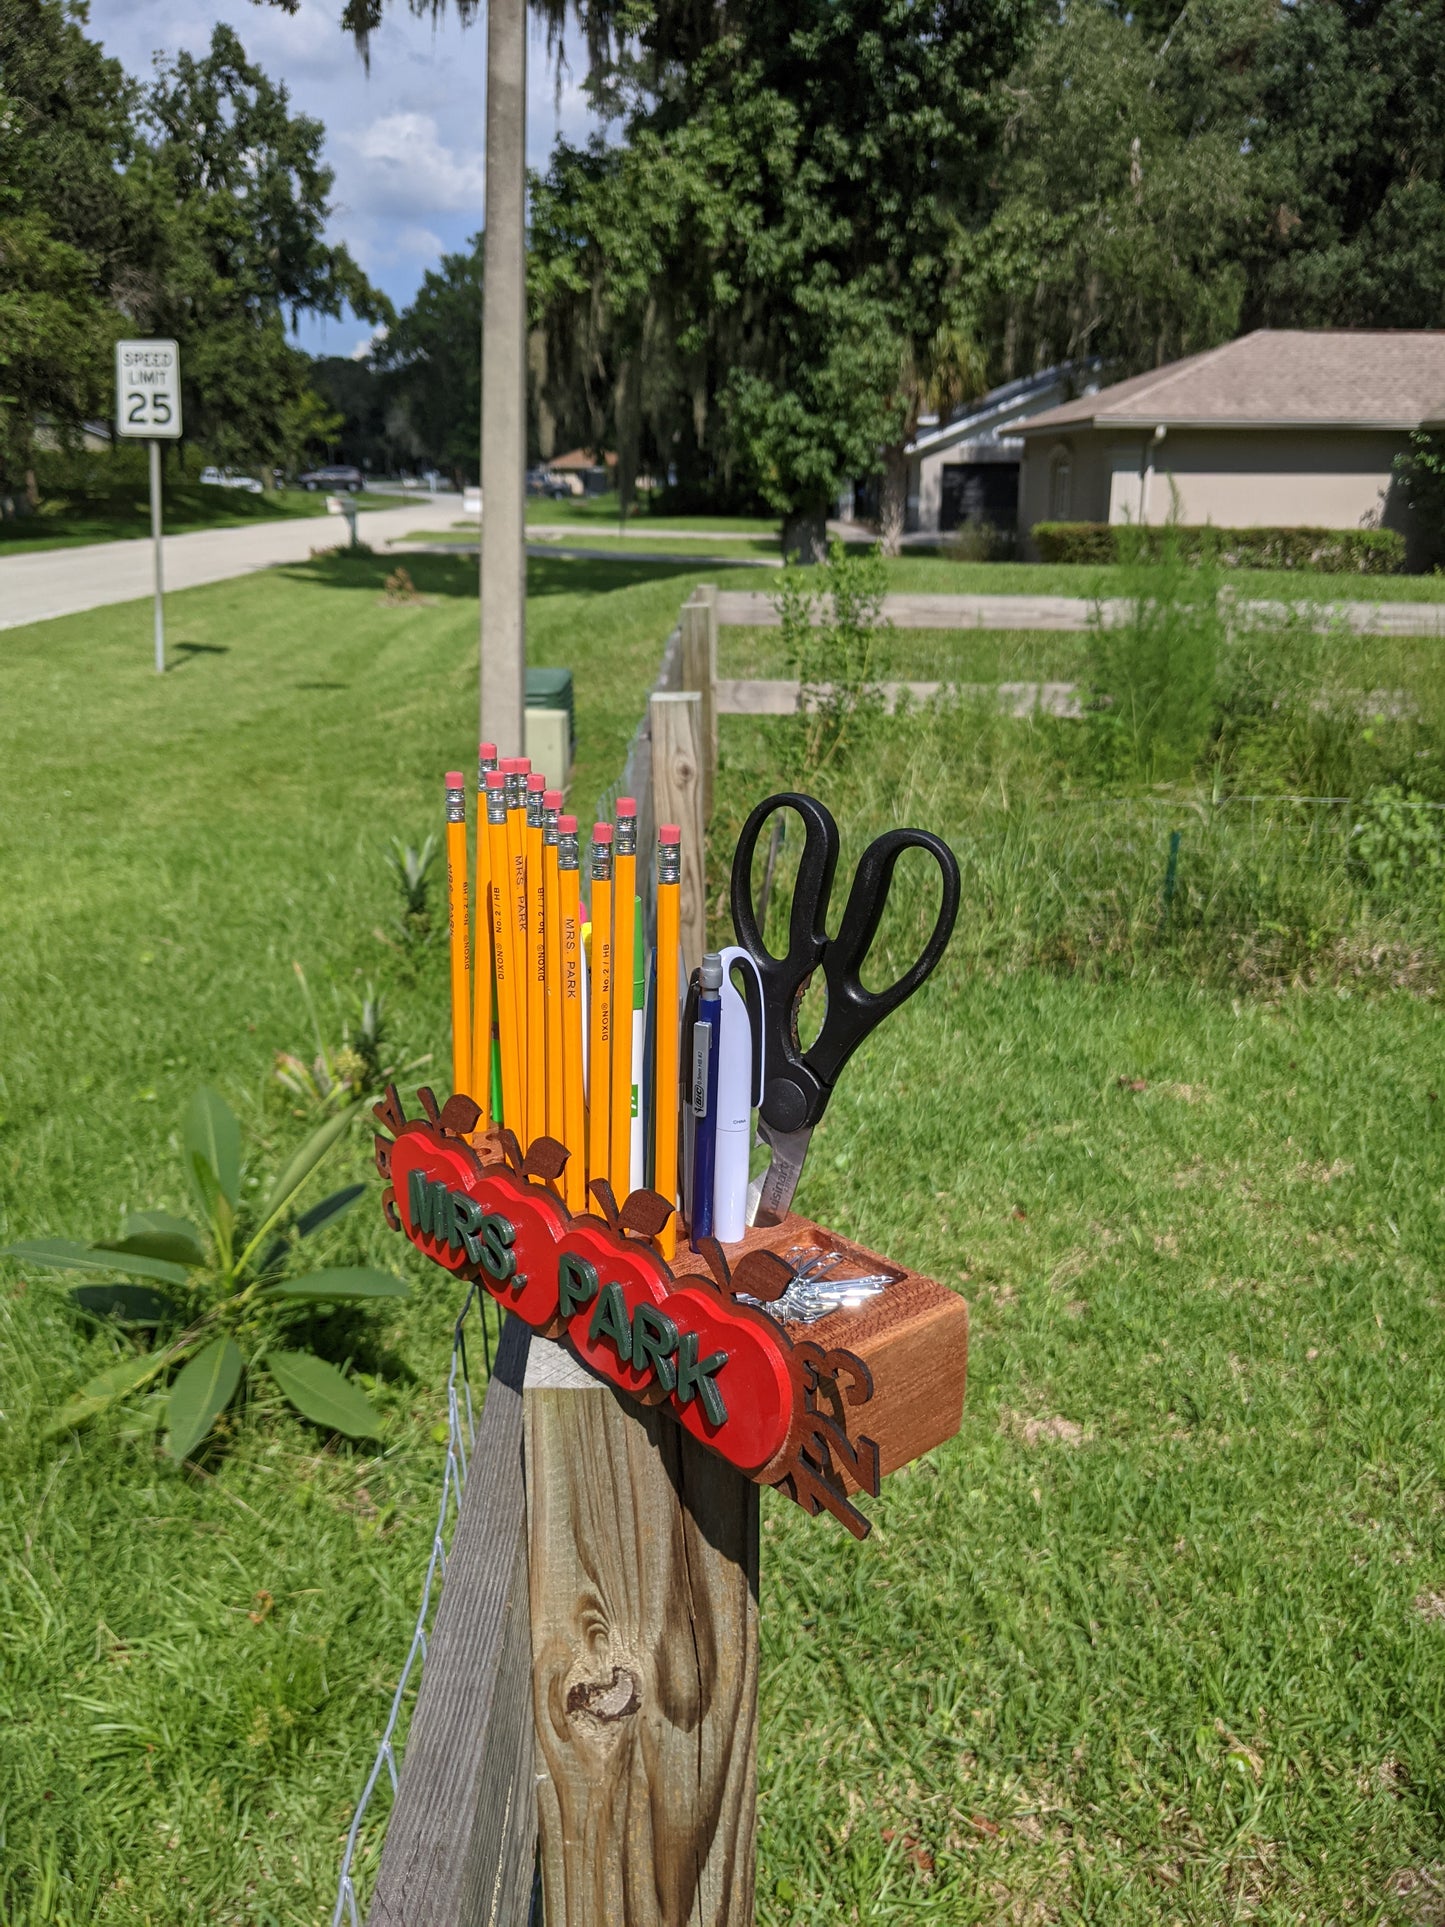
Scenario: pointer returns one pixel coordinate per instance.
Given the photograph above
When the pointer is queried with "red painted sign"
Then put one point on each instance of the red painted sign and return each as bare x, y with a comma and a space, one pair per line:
726, 1371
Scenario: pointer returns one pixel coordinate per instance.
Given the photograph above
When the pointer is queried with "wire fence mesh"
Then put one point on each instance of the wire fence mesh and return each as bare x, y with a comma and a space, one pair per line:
461, 1434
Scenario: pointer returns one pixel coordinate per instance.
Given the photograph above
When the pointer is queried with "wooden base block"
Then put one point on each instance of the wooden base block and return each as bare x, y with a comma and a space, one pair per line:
913, 1337
643, 1570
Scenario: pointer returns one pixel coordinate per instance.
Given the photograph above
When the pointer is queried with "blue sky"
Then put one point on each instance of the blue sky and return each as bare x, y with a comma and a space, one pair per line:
406, 141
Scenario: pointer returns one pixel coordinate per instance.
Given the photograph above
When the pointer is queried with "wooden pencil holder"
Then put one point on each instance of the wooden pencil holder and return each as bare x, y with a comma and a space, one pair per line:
819, 1410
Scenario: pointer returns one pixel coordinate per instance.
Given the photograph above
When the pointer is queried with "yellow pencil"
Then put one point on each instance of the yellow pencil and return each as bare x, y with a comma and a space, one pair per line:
459, 934
574, 1117
599, 1079
501, 950
552, 924
624, 889
666, 1042
536, 963
481, 1085
517, 923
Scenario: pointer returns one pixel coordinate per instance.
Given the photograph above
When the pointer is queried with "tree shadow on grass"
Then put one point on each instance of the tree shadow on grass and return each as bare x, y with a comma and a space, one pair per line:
456, 576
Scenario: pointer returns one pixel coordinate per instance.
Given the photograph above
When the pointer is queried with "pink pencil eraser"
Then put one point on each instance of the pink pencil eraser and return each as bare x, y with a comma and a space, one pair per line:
601, 832
551, 799
509, 765
627, 806
455, 779
524, 763
488, 751
536, 781
669, 833
496, 780
566, 826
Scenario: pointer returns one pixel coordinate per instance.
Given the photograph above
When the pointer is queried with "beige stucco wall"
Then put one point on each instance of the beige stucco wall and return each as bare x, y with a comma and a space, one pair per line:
1234, 478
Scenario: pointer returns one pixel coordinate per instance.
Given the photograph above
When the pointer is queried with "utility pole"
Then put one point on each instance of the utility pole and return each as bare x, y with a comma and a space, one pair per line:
503, 645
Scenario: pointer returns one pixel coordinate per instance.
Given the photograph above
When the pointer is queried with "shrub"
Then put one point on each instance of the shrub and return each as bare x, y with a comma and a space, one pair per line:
1154, 665
833, 651
1328, 551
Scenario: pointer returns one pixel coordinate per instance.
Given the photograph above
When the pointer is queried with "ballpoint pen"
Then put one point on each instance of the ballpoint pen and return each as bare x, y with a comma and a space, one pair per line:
665, 1028
705, 1056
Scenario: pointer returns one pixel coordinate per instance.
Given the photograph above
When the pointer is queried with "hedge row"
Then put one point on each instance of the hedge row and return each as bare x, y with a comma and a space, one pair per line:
1330, 551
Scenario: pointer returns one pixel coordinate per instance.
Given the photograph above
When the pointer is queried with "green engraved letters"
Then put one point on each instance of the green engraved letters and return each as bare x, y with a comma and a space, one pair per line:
452, 1218
654, 1336
576, 1283
694, 1377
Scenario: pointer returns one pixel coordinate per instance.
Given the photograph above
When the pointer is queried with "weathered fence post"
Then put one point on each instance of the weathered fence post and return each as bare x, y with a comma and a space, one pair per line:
460, 1845
677, 797
643, 1565
699, 672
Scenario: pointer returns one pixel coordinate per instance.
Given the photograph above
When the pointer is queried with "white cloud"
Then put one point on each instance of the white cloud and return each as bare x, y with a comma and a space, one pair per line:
401, 166
406, 141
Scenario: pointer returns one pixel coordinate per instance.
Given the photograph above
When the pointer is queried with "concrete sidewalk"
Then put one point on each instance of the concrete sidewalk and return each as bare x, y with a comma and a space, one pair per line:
65, 582
754, 608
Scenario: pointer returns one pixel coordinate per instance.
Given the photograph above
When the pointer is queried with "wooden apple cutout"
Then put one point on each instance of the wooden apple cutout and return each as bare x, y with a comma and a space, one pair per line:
524, 1224
611, 1292
427, 1176
733, 1385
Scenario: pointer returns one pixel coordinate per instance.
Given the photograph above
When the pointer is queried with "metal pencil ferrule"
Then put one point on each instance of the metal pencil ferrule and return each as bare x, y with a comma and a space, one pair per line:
568, 857
601, 862
485, 766
550, 833
516, 790
497, 807
456, 806
534, 811
625, 841
669, 863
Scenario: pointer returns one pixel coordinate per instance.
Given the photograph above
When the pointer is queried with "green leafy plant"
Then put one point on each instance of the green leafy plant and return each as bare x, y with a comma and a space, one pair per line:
1397, 842
217, 1298
831, 644
412, 869
339, 1076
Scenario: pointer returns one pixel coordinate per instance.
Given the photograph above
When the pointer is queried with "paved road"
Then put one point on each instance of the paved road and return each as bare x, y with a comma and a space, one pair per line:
64, 582
755, 609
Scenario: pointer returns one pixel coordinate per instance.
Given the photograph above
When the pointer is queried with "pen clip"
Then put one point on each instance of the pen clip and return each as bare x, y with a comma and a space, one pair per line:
736, 957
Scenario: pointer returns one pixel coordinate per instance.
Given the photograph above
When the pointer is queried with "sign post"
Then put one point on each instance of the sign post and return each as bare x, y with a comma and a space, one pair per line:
148, 408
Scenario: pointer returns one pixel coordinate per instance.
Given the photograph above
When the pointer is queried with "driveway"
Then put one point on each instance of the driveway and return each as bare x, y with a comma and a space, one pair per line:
64, 582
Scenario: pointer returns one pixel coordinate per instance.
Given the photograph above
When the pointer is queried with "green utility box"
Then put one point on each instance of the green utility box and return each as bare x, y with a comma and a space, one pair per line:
552, 689
551, 725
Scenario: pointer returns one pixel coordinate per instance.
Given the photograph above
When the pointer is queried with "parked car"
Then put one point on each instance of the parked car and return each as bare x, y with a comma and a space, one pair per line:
227, 478
350, 479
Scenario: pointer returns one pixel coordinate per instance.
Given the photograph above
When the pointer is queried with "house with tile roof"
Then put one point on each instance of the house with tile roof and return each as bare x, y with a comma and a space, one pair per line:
1283, 428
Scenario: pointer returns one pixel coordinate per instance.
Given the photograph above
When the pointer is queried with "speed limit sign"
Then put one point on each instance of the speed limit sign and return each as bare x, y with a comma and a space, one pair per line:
148, 390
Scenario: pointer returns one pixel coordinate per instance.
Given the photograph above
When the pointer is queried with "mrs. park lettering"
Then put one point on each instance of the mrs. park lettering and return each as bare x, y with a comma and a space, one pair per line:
452, 1218
647, 1340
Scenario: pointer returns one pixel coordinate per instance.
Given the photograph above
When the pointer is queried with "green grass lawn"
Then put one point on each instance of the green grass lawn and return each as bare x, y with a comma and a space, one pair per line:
602, 509
124, 515
1159, 1637
598, 540
937, 575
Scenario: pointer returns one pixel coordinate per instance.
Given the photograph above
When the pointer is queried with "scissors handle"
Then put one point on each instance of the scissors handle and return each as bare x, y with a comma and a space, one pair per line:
854, 1012
791, 1090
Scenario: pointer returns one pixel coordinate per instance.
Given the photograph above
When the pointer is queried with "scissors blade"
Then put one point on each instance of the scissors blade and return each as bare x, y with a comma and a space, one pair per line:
770, 1197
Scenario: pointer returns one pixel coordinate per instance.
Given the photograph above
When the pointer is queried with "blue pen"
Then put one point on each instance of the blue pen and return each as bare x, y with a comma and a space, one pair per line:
706, 1034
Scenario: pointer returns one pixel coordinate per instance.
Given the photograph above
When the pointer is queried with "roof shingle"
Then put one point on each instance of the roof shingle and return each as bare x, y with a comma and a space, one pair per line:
1278, 377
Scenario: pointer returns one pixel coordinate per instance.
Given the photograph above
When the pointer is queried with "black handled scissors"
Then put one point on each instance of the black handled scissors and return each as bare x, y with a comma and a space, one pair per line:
797, 1083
